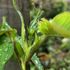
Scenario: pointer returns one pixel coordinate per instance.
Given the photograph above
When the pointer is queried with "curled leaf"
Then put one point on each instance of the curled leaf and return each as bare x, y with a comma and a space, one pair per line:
43, 26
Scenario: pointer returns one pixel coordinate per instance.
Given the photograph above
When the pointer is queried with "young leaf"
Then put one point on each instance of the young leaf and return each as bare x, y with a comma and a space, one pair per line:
45, 28
5, 28
33, 24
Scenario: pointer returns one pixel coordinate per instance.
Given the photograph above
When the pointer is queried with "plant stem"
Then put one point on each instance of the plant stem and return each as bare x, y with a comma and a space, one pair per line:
23, 65
35, 46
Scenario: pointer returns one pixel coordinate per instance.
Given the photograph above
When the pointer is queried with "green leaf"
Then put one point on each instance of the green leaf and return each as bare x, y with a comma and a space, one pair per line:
37, 62
43, 26
33, 25
6, 50
5, 28
18, 47
61, 24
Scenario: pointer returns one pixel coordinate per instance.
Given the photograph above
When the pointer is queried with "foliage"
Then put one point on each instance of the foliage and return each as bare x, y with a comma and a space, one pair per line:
63, 27
6, 45
25, 49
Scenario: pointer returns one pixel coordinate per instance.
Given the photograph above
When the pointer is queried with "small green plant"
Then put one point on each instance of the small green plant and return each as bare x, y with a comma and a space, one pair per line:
38, 31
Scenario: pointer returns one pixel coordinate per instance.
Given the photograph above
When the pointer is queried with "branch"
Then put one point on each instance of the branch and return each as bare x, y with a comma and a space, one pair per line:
37, 43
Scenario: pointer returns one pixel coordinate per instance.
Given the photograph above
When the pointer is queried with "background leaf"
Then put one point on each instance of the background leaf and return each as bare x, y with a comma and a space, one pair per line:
61, 24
